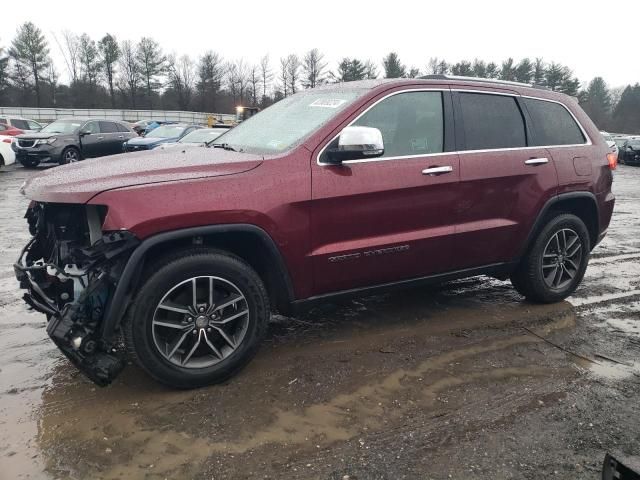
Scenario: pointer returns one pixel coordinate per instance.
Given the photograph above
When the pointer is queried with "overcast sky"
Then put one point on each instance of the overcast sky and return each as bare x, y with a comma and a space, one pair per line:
587, 38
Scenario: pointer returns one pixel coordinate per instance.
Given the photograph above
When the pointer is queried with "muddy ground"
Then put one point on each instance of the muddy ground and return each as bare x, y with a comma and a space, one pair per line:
461, 381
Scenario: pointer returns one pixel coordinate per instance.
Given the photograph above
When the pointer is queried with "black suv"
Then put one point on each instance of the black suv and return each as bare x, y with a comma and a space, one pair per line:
631, 151
71, 140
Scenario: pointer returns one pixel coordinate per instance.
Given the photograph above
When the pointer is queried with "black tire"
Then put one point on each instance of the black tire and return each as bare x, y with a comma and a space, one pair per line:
70, 155
528, 279
29, 163
166, 275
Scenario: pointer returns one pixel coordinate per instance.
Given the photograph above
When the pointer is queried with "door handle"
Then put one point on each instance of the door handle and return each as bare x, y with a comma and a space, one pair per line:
536, 161
120, 136
437, 170
100, 138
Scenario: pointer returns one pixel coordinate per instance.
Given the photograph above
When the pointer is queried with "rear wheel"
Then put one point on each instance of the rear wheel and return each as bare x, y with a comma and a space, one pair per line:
554, 266
198, 319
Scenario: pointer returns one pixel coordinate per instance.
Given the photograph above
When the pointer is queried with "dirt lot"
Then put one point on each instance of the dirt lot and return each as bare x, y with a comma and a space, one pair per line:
461, 381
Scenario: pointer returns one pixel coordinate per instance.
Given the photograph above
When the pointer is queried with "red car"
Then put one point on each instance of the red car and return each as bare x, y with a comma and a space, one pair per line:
9, 130
346, 189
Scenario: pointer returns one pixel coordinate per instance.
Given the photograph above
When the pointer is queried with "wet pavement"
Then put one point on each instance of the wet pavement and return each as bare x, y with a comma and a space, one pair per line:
464, 380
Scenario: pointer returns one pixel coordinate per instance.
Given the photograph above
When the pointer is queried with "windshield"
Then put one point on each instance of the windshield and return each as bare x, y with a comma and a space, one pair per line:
168, 131
203, 135
620, 141
62, 126
634, 143
288, 121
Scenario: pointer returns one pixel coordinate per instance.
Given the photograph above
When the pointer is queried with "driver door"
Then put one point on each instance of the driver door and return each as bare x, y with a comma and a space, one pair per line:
388, 219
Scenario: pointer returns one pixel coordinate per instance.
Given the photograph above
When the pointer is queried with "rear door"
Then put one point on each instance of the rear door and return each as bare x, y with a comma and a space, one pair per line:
390, 218
504, 181
112, 142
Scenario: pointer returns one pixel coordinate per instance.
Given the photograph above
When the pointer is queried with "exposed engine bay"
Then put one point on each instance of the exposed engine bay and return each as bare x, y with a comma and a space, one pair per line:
70, 269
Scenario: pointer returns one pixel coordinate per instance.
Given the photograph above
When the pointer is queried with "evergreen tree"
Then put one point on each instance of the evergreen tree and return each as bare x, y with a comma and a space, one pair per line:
538, 75
349, 70
462, 69
370, 70
492, 70
508, 71
393, 68
109, 55
596, 101
4, 74
479, 68
151, 63
524, 71
30, 49
625, 115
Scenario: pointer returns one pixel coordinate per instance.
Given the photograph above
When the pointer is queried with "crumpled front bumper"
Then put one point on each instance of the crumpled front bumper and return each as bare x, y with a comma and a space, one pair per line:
74, 303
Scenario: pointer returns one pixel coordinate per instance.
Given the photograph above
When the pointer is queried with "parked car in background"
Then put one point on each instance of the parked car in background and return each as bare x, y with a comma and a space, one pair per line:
163, 134
7, 155
631, 149
348, 189
197, 138
610, 141
71, 140
9, 131
25, 124
145, 126
620, 141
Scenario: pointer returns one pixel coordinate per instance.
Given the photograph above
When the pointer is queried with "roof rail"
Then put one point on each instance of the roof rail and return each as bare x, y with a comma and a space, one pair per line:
480, 79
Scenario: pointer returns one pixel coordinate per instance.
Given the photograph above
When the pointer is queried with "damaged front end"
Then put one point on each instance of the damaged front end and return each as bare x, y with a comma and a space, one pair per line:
70, 269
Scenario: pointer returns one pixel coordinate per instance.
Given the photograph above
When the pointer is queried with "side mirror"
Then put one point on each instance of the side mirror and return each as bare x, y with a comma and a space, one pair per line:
355, 143
84, 133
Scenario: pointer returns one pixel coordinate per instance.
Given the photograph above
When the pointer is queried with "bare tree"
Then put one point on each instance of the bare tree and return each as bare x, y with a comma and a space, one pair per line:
313, 69
254, 83
266, 76
293, 72
237, 79
89, 65
71, 54
181, 77
284, 76
130, 77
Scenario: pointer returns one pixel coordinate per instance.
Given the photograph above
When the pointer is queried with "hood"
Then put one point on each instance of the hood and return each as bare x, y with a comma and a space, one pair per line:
39, 136
149, 140
79, 182
180, 144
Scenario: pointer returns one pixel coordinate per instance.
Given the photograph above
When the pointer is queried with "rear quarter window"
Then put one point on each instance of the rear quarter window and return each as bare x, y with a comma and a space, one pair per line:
491, 121
21, 124
552, 124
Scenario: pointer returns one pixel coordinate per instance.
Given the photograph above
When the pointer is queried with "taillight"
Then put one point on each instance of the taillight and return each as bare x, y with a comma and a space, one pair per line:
613, 160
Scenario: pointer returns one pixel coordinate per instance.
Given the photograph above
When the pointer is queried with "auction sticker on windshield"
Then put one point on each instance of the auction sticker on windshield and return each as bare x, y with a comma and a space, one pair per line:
327, 102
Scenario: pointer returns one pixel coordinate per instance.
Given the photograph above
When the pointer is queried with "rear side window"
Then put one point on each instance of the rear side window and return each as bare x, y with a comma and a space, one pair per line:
491, 121
122, 128
21, 124
108, 127
411, 123
552, 124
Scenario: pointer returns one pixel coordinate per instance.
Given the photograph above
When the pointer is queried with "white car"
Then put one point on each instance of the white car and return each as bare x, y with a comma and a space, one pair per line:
7, 155
197, 138
610, 142
25, 124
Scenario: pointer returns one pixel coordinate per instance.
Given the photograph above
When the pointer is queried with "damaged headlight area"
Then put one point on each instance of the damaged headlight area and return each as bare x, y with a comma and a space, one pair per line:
70, 269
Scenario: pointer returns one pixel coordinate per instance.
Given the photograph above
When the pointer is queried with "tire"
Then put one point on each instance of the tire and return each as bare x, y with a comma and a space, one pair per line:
27, 163
151, 342
70, 155
539, 276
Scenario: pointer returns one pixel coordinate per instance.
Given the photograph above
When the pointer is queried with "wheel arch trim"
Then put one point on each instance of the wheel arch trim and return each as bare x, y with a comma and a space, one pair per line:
539, 222
121, 297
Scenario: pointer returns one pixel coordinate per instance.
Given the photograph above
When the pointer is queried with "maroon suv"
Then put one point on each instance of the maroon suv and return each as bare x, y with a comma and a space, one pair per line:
347, 189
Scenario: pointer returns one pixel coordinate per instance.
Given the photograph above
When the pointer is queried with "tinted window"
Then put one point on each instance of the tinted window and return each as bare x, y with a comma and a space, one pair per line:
108, 127
491, 121
411, 123
122, 128
21, 124
552, 124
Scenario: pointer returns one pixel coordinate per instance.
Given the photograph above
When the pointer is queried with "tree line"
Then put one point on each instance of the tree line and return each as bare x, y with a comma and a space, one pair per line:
112, 73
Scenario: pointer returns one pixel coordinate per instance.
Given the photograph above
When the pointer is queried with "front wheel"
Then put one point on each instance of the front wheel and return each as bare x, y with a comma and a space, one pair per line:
198, 319
554, 266
70, 155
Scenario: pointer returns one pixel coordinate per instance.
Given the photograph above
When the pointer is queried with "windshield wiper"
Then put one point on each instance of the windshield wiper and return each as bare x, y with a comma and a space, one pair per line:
224, 146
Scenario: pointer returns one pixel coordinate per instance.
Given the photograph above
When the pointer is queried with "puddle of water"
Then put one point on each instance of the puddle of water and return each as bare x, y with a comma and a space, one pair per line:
615, 371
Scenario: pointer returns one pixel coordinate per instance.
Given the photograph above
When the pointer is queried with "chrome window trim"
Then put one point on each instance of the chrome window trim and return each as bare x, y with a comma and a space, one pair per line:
455, 152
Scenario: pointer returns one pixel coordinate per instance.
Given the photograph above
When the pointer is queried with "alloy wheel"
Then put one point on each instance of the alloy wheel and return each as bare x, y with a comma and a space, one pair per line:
561, 258
71, 156
200, 322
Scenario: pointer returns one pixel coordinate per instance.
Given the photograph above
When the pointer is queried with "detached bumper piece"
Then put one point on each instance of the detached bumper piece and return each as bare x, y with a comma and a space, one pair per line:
71, 281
